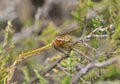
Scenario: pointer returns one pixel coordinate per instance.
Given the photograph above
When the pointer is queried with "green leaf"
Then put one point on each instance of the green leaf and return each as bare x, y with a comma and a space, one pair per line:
41, 78
66, 80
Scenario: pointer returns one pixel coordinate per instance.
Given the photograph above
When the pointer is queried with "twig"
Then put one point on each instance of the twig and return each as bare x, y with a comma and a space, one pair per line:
100, 36
92, 33
84, 25
91, 65
49, 68
87, 45
64, 70
84, 56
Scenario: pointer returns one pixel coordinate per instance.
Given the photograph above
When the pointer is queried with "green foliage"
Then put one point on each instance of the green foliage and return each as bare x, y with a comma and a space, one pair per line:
28, 43
116, 35
81, 10
50, 33
70, 62
66, 80
8, 34
41, 78
90, 3
26, 73
28, 22
80, 13
94, 43
112, 73
110, 14
92, 75
5, 55
96, 22
115, 15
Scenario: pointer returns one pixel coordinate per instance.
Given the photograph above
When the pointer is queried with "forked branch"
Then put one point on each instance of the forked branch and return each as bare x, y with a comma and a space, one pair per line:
92, 65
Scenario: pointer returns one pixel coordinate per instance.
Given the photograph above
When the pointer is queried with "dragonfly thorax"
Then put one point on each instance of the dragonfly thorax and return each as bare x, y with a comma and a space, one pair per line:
62, 41
59, 42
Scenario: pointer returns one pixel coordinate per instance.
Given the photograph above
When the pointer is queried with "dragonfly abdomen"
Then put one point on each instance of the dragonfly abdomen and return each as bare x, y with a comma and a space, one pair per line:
26, 54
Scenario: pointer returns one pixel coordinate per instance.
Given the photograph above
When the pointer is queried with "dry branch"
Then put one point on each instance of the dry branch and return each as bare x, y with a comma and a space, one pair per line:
90, 66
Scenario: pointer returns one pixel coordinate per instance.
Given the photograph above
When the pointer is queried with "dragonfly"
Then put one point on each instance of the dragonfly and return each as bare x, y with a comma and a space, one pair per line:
62, 41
